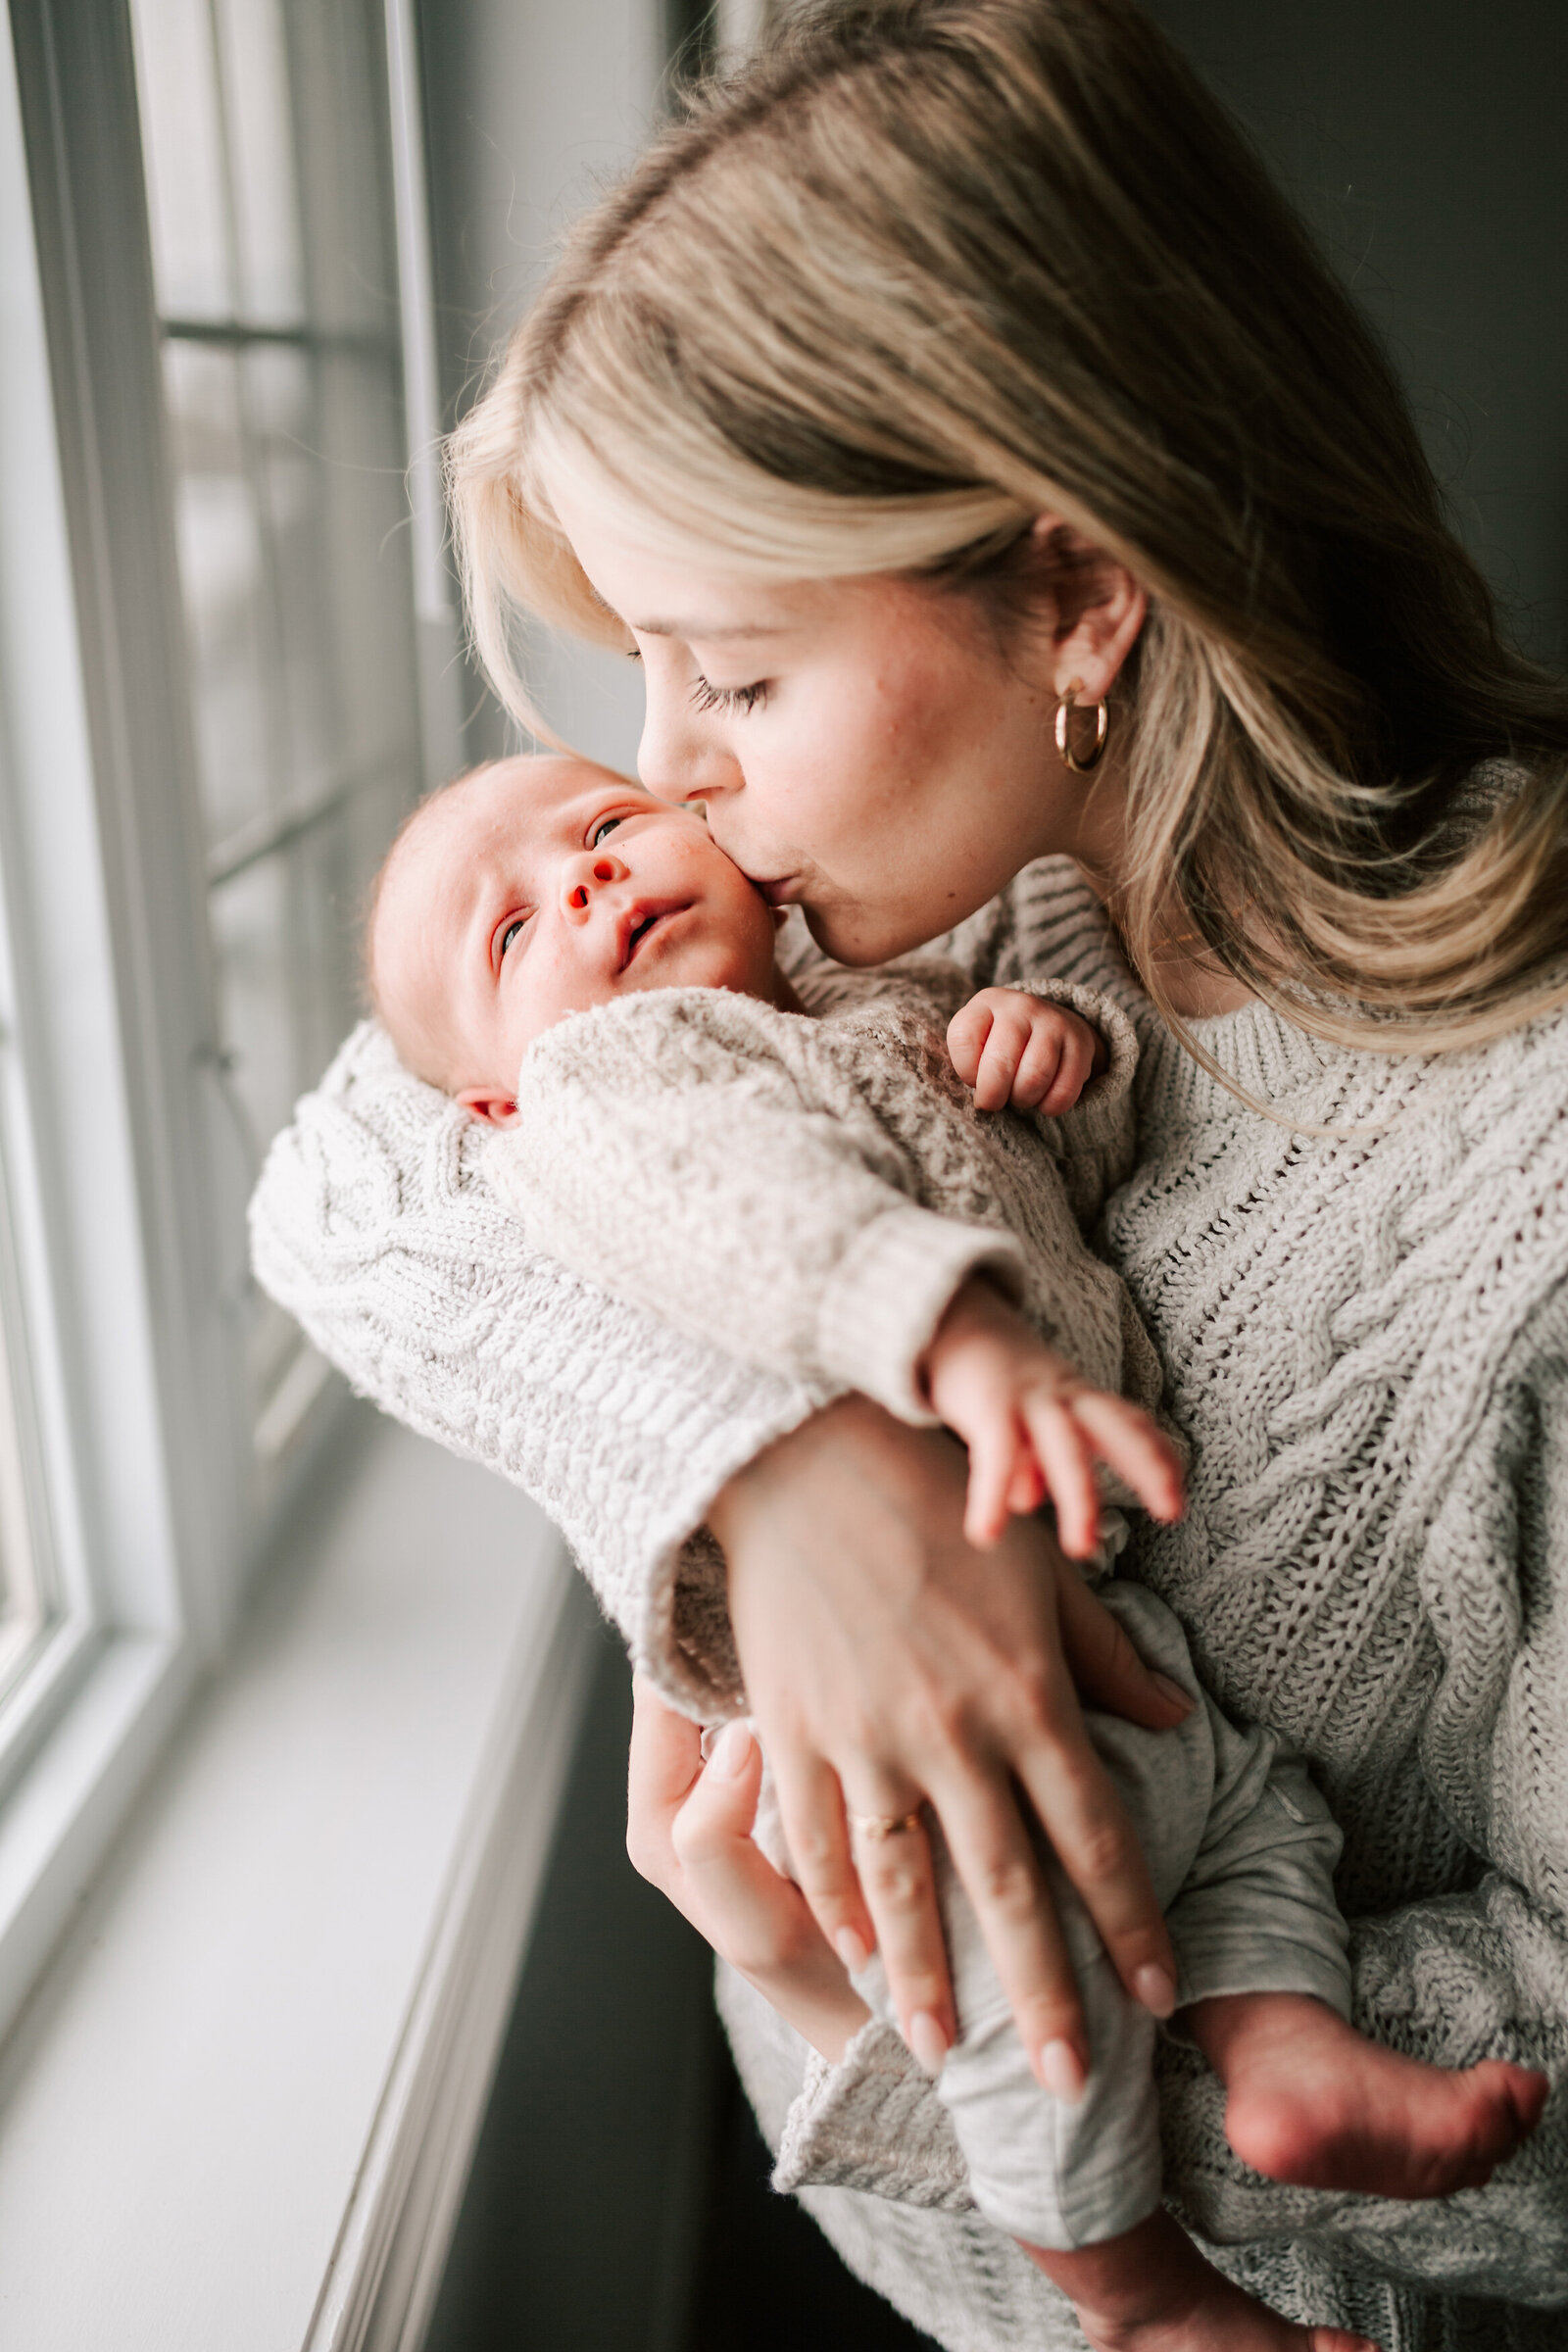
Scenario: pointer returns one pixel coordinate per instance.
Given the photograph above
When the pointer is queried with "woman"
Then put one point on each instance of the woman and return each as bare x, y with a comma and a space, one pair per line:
1012, 515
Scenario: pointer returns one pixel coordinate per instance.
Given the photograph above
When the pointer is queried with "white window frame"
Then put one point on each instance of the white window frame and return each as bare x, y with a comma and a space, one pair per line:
85, 1721
115, 1116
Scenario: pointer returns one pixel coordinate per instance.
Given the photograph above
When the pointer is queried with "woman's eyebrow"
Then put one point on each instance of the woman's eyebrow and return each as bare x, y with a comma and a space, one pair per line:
709, 632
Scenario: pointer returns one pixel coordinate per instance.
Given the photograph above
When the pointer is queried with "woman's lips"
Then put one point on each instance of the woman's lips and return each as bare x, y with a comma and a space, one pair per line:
787, 891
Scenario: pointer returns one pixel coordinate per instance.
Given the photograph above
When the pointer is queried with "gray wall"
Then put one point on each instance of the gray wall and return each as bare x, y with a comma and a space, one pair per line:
581, 2222
1425, 141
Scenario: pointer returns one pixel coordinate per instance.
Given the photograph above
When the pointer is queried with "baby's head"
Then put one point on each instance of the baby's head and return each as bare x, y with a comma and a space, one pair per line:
539, 887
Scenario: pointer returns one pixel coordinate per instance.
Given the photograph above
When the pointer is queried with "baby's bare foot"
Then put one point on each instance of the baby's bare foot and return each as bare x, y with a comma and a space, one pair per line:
1308, 2100
1151, 2290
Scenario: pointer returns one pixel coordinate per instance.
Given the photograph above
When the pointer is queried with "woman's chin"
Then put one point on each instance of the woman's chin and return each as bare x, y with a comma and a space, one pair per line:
855, 937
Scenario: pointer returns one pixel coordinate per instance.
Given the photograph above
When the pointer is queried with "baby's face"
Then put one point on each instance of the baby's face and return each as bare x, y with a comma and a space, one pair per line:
541, 886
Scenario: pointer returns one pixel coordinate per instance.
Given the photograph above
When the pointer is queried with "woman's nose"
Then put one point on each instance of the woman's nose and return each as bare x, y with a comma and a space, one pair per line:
677, 759
587, 874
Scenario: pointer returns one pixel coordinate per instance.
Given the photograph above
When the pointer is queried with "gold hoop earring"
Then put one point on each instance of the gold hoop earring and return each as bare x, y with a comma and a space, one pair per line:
1064, 709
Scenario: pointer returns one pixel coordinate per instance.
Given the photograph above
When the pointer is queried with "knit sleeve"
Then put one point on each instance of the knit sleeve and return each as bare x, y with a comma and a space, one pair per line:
376, 1224
1483, 1972
706, 1159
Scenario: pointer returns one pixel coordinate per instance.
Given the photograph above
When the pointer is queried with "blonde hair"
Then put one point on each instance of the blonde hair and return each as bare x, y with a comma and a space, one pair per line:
927, 268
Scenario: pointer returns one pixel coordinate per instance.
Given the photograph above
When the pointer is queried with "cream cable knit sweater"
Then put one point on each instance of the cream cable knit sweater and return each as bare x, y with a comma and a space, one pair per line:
1366, 1339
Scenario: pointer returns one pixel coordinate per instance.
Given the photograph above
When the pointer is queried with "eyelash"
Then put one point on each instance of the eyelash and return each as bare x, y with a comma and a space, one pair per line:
728, 698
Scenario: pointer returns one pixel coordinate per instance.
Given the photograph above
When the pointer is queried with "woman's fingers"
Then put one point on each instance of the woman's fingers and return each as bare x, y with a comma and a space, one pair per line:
900, 1888
1106, 1670
664, 1762
994, 1856
811, 1807
1096, 1846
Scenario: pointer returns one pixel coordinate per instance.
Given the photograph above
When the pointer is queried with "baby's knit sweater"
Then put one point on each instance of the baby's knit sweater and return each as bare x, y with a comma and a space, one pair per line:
1365, 1336
808, 1190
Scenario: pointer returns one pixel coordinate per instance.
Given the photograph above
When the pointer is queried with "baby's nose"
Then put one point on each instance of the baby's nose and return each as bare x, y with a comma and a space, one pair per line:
580, 889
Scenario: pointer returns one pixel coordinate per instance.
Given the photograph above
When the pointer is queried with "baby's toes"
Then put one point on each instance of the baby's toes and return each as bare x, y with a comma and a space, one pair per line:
1517, 2097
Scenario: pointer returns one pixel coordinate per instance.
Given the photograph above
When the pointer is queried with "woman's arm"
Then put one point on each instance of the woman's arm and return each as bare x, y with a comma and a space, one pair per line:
885, 1661
375, 1223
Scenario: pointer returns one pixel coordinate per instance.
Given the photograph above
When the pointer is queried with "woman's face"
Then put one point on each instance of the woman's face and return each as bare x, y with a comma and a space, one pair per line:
867, 749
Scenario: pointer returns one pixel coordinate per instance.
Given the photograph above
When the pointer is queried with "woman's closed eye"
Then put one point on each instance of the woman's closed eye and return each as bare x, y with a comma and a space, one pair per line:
728, 698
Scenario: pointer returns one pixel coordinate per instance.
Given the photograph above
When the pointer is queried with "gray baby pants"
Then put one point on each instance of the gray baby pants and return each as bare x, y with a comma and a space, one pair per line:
1241, 1849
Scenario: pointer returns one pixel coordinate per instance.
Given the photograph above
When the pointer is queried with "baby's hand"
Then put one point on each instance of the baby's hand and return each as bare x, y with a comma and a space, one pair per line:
1033, 1428
1013, 1048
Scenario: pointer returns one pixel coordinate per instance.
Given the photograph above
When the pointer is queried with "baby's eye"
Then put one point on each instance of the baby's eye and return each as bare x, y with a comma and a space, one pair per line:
511, 932
606, 825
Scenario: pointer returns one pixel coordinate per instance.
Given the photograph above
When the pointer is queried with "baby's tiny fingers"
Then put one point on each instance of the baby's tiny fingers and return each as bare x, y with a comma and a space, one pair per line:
1135, 1448
1026, 1490
1064, 1460
998, 1064
993, 1462
1074, 1068
1040, 1065
968, 1032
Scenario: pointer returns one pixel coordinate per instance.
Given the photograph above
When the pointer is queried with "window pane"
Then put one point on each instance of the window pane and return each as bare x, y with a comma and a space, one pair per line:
296, 493
224, 574
182, 150
288, 448
271, 281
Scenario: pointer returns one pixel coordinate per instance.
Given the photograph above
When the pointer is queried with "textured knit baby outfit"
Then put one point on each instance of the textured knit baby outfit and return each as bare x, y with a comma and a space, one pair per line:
807, 1193
1365, 1338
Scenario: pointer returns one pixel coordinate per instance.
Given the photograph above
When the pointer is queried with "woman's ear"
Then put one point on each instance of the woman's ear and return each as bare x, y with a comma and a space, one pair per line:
1098, 610
490, 1103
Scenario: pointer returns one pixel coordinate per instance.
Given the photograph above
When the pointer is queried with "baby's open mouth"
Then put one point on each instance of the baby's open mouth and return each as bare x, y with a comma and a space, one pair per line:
643, 924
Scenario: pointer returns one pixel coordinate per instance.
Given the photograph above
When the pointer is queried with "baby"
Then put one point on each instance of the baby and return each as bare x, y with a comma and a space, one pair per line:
799, 1171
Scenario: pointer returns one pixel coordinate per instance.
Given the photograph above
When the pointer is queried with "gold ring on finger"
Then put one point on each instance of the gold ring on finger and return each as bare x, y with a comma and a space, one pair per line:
877, 1826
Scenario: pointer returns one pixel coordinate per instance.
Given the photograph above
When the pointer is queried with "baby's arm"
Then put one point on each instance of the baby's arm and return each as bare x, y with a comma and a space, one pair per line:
702, 1156
1034, 1429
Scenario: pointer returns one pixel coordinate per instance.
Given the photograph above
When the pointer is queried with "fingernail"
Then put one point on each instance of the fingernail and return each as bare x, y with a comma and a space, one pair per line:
1174, 1692
929, 2043
731, 1751
1155, 1987
851, 1949
1062, 2073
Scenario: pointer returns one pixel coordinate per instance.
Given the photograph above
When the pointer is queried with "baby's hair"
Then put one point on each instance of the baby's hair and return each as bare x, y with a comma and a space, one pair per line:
373, 996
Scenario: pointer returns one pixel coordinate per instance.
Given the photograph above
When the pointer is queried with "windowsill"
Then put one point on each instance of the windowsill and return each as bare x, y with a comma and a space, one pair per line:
240, 2110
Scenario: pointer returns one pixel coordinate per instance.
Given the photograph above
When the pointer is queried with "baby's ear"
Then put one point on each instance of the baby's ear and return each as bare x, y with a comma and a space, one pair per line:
489, 1102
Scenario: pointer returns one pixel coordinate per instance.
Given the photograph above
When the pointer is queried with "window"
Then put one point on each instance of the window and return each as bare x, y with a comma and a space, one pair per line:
212, 710
265, 136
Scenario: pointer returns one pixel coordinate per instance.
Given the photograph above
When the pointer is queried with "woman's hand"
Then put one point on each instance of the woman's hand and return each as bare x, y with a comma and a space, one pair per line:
688, 1829
887, 1663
